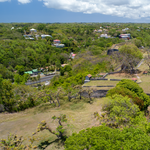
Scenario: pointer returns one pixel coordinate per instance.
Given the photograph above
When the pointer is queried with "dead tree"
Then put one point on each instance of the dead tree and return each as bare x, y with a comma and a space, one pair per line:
59, 130
80, 90
89, 92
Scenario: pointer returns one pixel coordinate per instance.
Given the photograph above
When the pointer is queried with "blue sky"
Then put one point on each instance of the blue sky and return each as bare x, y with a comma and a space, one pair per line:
50, 11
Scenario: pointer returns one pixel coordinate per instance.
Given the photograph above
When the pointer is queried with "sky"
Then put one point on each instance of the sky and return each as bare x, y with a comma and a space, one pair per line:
50, 11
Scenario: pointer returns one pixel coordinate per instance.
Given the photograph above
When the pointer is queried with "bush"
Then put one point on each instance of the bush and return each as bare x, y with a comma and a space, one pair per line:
127, 92
121, 111
136, 89
105, 138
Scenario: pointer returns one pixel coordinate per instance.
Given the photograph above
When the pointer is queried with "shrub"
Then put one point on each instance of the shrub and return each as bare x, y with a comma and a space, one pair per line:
127, 92
136, 92
105, 138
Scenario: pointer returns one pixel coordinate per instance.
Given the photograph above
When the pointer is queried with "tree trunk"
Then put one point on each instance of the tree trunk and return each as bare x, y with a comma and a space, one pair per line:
69, 96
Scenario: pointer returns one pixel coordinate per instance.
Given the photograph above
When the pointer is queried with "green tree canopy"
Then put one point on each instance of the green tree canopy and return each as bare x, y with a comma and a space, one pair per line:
131, 50
135, 88
105, 138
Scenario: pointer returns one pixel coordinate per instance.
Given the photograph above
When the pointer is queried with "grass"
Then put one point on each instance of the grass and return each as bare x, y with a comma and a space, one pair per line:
121, 76
101, 83
143, 67
145, 84
80, 116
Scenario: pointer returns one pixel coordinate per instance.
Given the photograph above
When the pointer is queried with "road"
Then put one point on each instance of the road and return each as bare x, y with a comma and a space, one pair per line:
47, 78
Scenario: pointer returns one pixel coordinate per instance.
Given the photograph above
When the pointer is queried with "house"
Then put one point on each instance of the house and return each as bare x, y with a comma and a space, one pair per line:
19, 28
99, 31
29, 72
12, 28
60, 45
87, 78
63, 65
72, 55
44, 36
105, 36
125, 29
95, 30
35, 71
125, 36
56, 41
28, 37
33, 30
134, 79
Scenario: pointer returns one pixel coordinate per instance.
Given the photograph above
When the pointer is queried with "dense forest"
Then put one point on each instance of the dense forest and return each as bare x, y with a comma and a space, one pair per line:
123, 125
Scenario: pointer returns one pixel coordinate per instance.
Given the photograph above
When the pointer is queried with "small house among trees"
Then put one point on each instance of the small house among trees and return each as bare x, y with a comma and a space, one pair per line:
87, 78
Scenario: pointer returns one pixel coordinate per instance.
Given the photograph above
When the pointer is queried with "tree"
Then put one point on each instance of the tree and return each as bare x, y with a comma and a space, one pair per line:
41, 27
8, 96
80, 90
135, 88
105, 138
59, 130
121, 112
131, 56
71, 93
89, 92
16, 143
126, 92
67, 68
1, 82
58, 65
20, 69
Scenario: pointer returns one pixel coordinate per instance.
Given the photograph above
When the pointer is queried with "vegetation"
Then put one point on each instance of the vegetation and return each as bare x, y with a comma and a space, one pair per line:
105, 138
121, 122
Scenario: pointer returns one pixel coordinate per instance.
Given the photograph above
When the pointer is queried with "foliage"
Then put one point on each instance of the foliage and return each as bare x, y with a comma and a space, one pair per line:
64, 69
59, 130
105, 138
121, 112
135, 88
16, 143
21, 79
131, 50
126, 92
7, 95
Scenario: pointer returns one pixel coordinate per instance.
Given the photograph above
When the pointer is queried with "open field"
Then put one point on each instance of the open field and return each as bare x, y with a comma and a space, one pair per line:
145, 84
80, 116
121, 76
101, 83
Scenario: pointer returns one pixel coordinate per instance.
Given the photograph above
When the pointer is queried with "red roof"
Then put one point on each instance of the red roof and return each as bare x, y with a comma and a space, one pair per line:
89, 75
56, 40
134, 79
73, 55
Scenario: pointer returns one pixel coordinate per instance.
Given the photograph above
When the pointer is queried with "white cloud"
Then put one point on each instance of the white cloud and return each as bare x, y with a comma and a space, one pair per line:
24, 1
133, 9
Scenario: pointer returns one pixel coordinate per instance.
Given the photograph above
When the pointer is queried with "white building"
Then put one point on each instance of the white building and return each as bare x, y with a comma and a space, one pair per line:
33, 30
99, 31
59, 45
44, 36
104, 35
